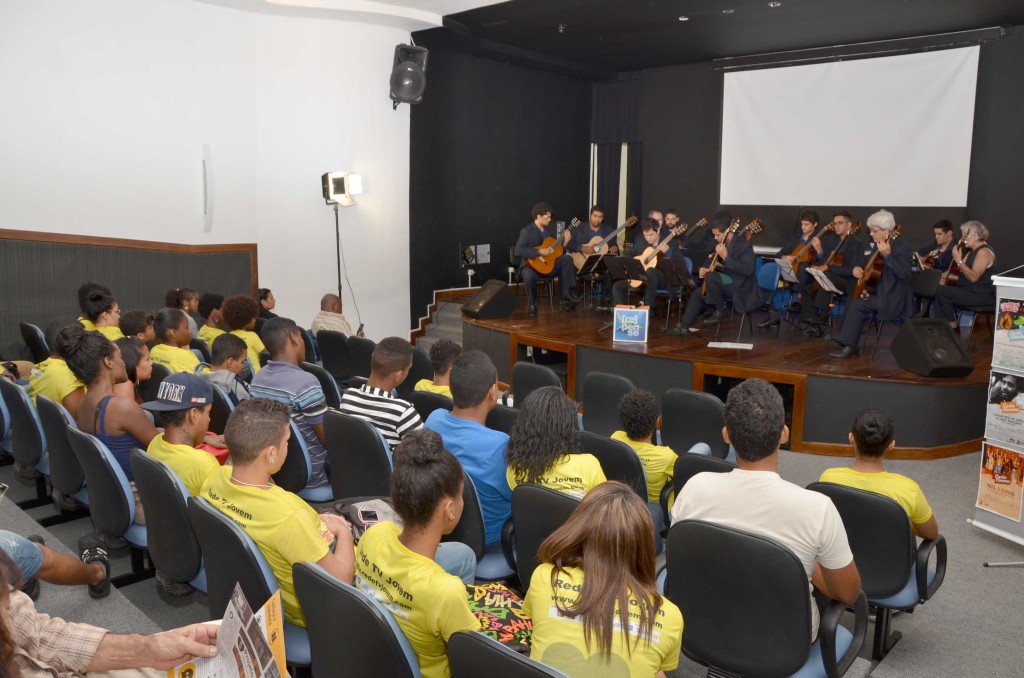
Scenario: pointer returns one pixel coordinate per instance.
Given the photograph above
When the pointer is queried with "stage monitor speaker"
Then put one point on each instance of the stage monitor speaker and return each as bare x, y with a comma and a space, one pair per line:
930, 347
408, 75
494, 300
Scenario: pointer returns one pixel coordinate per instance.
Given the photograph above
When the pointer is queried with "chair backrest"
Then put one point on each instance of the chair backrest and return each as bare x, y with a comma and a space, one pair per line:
878, 530
264, 358
197, 344
536, 513
744, 598
502, 418
231, 557
172, 543
474, 654
689, 465
421, 369
27, 438
601, 395
362, 351
768, 276
360, 458
470, 530
335, 354
221, 409
307, 341
528, 377
111, 503
298, 465
618, 460
148, 389
332, 394
350, 633
36, 341
690, 417
426, 402
65, 472
258, 329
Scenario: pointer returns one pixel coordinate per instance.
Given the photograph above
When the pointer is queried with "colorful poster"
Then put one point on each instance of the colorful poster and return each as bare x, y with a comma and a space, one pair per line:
1004, 419
631, 323
999, 481
1008, 346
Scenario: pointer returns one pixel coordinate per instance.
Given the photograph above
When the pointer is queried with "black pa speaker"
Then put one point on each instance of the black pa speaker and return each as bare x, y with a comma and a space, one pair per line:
929, 347
494, 300
408, 75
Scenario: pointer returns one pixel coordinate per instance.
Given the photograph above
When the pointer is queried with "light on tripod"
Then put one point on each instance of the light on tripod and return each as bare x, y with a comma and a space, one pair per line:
339, 187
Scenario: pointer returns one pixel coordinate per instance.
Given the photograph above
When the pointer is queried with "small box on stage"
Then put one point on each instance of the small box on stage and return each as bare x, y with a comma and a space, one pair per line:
631, 323
494, 300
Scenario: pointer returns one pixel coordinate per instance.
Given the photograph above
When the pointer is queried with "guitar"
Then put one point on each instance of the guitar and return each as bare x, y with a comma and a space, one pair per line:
649, 258
835, 258
545, 263
952, 274
750, 230
804, 254
600, 244
872, 270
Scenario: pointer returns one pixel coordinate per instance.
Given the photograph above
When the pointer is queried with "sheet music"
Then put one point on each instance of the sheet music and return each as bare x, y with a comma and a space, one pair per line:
786, 270
824, 281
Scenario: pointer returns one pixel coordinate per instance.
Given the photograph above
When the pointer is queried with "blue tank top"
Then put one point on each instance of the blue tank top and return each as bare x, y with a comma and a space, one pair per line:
120, 446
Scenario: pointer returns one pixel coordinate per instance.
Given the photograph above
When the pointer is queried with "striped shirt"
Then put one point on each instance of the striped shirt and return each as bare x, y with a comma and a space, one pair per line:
392, 416
290, 384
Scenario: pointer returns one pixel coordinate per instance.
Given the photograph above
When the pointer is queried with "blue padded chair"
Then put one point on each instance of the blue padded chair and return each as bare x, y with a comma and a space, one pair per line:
361, 454
536, 512
361, 350
5, 429
298, 467
65, 472
426, 402
527, 377
474, 654
351, 634
618, 460
36, 341
691, 417
221, 409
491, 564
601, 395
421, 369
311, 353
231, 557
28, 440
502, 418
332, 394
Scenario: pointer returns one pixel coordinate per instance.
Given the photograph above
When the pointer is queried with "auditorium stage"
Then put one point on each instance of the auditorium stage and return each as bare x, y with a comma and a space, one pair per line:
934, 417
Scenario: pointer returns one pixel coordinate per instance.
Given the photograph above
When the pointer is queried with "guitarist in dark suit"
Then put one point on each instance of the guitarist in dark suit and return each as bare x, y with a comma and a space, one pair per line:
893, 297
655, 277
530, 246
838, 264
595, 228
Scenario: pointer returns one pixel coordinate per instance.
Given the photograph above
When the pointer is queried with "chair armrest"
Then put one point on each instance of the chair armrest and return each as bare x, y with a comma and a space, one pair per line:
508, 537
830, 615
924, 552
666, 492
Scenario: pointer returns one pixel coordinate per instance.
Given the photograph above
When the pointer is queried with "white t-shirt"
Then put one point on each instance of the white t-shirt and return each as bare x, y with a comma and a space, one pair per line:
760, 502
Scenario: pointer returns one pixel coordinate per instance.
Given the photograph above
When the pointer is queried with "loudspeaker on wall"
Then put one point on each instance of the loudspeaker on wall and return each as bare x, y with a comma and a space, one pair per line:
494, 300
408, 75
930, 347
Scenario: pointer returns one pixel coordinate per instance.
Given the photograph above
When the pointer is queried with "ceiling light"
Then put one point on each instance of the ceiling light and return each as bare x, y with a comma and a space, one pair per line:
773, 5
727, 11
684, 18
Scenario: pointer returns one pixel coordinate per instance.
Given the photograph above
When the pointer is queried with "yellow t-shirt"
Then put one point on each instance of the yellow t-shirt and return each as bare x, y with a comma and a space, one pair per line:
285, 528
573, 474
427, 385
659, 463
54, 379
428, 603
901, 489
559, 641
86, 323
253, 347
191, 465
208, 334
112, 332
173, 358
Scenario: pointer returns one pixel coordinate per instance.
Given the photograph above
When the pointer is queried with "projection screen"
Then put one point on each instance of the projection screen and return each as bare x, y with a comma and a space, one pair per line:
884, 132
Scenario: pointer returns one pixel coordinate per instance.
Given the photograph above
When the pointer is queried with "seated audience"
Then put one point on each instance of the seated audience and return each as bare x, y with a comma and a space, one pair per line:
544, 446
83, 295
239, 313
755, 499
284, 381
137, 365
210, 308
593, 598
104, 313
228, 355
37, 563
330, 317
396, 565
639, 414
52, 377
375, 401
173, 337
40, 645
872, 437
285, 528
442, 353
267, 303
480, 450
187, 301
138, 323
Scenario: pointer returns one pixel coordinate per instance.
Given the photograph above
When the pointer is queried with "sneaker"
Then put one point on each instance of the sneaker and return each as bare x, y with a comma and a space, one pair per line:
113, 544
26, 472
65, 502
175, 589
91, 552
31, 588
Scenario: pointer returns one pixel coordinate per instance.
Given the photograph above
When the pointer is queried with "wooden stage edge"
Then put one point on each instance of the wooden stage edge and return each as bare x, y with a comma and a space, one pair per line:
935, 418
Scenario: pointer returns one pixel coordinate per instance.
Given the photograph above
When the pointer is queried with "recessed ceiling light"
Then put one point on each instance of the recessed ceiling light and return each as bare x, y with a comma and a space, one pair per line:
684, 18
773, 5
727, 11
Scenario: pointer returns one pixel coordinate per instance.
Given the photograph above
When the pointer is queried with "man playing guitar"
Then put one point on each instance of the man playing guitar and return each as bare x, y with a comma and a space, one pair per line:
655, 276
595, 228
537, 241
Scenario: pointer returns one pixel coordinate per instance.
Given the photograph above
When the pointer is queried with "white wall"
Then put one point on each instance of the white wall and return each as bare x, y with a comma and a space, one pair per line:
105, 106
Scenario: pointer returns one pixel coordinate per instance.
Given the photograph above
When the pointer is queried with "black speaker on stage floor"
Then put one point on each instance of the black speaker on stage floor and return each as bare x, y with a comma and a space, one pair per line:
930, 347
494, 300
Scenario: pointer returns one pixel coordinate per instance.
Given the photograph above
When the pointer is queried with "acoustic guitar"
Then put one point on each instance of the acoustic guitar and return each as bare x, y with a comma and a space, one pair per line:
649, 258
545, 263
952, 274
835, 258
873, 270
804, 254
749, 231
599, 244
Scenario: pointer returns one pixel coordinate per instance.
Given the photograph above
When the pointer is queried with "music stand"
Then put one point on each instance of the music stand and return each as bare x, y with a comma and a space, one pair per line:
591, 269
677, 276
825, 282
786, 270
624, 268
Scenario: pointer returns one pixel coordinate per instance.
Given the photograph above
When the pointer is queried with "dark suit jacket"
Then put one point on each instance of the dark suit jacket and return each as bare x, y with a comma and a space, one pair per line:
895, 291
741, 265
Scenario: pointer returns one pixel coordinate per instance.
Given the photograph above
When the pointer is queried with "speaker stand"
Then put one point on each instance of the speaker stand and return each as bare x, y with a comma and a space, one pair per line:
337, 246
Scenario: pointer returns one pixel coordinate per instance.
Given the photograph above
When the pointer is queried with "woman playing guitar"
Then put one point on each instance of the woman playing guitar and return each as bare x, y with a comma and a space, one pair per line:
974, 287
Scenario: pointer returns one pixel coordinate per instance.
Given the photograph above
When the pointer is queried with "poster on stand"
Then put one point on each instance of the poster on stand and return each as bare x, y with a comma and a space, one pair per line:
999, 481
1004, 417
1008, 344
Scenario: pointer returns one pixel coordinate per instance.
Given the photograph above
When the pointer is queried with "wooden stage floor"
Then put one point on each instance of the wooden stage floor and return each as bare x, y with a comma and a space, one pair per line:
935, 417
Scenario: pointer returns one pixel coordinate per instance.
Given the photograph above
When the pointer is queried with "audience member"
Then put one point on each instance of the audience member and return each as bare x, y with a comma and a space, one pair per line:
138, 323
137, 365
39, 563
173, 337
375, 401
442, 353
474, 383
755, 499
210, 308
239, 313
593, 598
52, 377
544, 446
83, 295
640, 414
284, 381
187, 301
872, 436
285, 528
228, 356
330, 317
104, 313
396, 564
267, 303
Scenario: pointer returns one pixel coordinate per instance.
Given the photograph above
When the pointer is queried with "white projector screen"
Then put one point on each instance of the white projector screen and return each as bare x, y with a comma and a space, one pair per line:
882, 132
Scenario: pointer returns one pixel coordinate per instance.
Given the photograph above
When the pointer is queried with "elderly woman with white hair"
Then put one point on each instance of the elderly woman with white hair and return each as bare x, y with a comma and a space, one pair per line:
975, 259
893, 296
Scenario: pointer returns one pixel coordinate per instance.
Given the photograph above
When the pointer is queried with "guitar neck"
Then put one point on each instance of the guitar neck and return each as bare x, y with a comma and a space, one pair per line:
608, 238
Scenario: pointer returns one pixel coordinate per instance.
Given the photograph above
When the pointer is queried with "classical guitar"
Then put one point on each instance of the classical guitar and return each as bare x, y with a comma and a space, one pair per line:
804, 254
649, 258
750, 230
873, 270
599, 244
545, 263
952, 274
835, 258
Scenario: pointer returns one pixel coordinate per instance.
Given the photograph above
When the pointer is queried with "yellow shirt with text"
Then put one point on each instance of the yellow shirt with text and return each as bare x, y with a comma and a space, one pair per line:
253, 347
900, 489
191, 465
112, 332
175, 359
428, 604
428, 385
573, 474
208, 334
659, 463
53, 379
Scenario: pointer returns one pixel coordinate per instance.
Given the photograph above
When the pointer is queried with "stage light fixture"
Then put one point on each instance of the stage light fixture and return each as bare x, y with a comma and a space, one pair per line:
339, 187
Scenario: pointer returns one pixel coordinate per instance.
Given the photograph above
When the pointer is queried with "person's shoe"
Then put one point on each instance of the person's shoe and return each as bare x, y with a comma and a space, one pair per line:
772, 320
65, 502
691, 284
91, 552
571, 296
174, 589
844, 352
677, 330
532, 310
717, 318
814, 331
31, 588
26, 472
568, 305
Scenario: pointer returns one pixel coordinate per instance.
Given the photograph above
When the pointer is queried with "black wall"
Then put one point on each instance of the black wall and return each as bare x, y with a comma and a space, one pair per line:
488, 141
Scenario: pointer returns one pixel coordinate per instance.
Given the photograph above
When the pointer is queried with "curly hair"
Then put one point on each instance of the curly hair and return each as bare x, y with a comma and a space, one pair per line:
442, 353
83, 351
210, 302
639, 412
873, 432
177, 296
98, 302
424, 474
239, 310
136, 321
544, 432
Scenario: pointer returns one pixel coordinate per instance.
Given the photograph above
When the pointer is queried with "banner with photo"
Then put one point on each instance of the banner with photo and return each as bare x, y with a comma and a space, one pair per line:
999, 481
1004, 418
1008, 344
